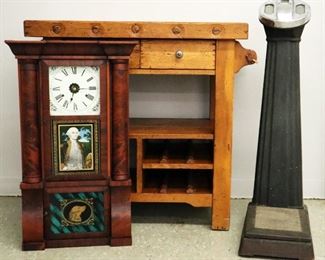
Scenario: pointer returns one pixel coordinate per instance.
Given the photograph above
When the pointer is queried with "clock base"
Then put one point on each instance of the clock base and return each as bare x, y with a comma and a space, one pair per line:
124, 241
276, 232
31, 246
120, 213
81, 242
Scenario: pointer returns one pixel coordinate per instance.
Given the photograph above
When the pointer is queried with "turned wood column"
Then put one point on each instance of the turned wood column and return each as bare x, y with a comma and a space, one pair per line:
31, 186
120, 120
29, 124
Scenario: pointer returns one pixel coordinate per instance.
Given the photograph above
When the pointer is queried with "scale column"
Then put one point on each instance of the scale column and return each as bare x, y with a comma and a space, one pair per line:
277, 223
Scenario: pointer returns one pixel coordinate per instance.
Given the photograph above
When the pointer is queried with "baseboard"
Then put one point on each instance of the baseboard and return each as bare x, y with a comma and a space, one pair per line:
10, 186
241, 188
312, 188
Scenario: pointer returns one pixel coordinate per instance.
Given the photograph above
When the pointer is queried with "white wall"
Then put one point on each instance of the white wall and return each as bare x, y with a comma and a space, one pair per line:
248, 90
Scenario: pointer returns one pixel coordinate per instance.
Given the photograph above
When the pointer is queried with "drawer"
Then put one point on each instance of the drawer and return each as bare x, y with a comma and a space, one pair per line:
177, 54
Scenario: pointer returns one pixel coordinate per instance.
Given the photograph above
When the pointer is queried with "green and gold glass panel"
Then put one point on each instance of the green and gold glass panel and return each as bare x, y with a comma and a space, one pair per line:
77, 212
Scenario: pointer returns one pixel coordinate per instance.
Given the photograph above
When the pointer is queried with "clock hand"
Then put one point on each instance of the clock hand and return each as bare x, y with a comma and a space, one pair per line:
71, 98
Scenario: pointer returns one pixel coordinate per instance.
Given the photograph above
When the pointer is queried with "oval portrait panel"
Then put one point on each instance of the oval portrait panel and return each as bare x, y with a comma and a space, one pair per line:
78, 212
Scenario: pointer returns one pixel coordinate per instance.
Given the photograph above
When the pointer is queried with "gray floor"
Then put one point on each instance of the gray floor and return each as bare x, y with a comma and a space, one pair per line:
159, 231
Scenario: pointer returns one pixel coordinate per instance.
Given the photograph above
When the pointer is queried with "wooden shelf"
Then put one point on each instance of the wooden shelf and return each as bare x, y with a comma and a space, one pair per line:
162, 128
176, 164
196, 200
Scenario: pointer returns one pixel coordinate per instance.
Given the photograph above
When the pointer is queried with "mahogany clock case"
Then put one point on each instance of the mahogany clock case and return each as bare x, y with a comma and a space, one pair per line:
63, 206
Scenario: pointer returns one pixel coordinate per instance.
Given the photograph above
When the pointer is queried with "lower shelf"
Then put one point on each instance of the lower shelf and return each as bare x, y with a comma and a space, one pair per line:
196, 200
175, 186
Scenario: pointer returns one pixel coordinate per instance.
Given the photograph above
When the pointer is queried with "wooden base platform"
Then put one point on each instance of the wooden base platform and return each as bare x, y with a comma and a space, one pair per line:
276, 232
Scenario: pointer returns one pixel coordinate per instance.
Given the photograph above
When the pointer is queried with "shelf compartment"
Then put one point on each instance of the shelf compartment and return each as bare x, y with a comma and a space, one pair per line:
163, 128
173, 186
178, 154
177, 181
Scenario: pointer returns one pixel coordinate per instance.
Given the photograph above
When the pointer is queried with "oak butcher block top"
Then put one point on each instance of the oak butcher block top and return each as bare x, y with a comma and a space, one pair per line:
148, 30
162, 48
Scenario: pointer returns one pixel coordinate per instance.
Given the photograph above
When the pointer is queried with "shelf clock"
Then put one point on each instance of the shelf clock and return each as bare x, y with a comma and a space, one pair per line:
74, 119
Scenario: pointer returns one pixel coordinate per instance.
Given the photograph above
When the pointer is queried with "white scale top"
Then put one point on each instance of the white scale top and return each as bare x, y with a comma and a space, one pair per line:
284, 13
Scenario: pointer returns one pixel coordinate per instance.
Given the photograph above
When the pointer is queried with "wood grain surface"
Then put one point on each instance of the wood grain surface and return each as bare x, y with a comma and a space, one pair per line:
163, 54
148, 30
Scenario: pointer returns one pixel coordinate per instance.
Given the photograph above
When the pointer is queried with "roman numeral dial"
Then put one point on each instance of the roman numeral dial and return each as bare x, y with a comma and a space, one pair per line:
74, 90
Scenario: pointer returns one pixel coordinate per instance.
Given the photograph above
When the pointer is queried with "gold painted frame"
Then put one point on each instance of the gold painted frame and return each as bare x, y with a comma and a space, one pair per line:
69, 221
75, 147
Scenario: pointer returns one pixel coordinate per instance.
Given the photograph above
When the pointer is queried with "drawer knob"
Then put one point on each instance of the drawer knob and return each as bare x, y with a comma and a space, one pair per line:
179, 54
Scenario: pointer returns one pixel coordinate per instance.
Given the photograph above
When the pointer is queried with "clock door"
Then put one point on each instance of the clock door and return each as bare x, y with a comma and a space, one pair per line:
74, 90
74, 116
76, 213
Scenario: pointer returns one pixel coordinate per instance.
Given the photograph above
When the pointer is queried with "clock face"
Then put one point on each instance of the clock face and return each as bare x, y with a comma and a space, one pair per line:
74, 90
